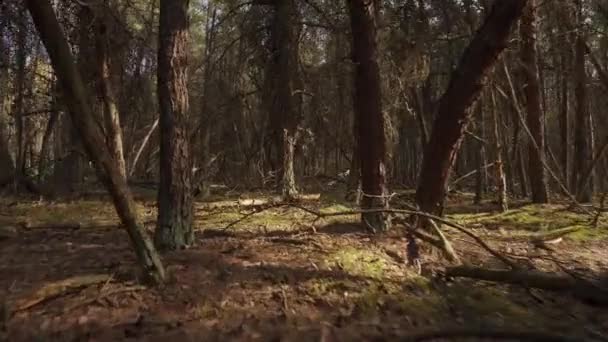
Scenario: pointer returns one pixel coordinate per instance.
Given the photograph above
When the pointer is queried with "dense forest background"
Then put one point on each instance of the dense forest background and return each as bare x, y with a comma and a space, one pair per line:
401, 111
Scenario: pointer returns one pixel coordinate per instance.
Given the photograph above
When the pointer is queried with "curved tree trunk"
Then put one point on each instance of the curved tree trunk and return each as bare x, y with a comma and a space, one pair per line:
535, 121
454, 108
371, 135
175, 198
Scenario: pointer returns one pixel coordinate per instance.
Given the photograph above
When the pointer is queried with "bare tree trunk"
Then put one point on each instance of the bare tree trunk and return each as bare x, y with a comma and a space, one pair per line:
110, 108
501, 180
532, 91
582, 153
8, 169
18, 109
371, 135
82, 116
175, 197
453, 113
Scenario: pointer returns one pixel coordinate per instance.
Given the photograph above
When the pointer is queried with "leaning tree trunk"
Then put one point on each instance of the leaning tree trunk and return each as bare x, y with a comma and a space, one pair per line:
82, 116
175, 197
371, 135
110, 109
535, 120
454, 107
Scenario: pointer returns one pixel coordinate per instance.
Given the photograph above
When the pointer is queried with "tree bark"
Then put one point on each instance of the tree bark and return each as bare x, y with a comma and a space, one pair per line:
8, 169
535, 121
453, 113
80, 111
18, 108
367, 100
501, 179
175, 199
582, 153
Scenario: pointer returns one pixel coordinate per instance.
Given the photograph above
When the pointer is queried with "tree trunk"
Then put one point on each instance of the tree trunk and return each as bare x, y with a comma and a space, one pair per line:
18, 109
285, 115
79, 107
582, 153
453, 113
8, 169
110, 109
371, 135
501, 180
175, 199
535, 121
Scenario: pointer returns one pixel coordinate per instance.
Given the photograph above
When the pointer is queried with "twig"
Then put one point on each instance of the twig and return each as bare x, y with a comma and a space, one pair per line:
103, 295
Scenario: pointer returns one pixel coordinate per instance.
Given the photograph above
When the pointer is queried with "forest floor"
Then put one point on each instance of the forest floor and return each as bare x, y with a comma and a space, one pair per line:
272, 277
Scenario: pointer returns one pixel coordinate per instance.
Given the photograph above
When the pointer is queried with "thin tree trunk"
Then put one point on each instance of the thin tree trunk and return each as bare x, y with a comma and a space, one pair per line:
532, 91
18, 109
501, 180
8, 169
110, 109
371, 135
454, 107
82, 116
175, 197
582, 154
142, 147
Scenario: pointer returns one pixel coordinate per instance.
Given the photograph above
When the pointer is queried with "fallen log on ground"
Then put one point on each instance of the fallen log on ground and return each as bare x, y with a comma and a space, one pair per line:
579, 288
494, 335
57, 289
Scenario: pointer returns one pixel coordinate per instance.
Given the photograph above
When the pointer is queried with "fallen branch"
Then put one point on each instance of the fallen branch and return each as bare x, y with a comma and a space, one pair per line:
103, 295
320, 215
534, 279
57, 289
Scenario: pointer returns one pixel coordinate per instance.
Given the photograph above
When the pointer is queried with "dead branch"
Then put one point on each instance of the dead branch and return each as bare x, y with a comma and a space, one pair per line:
321, 215
535, 279
57, 289
102, 295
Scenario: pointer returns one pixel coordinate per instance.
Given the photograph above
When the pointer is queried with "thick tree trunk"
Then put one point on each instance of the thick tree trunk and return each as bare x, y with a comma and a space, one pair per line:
532, 91
110, 109
371, 135
175, 197
453, 112
285, 114
82, 116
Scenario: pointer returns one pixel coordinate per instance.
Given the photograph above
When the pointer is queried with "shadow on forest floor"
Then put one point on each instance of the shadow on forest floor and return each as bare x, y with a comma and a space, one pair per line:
271, 277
